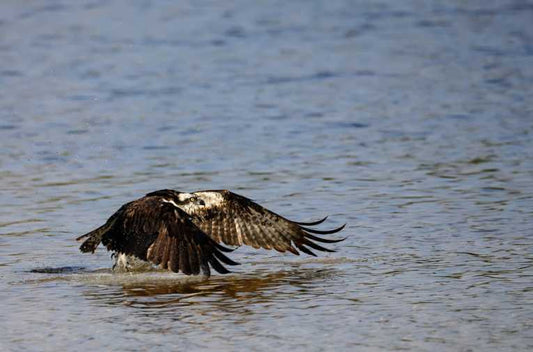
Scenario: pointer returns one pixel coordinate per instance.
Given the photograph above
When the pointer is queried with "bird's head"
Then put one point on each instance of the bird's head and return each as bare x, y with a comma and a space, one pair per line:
189, 198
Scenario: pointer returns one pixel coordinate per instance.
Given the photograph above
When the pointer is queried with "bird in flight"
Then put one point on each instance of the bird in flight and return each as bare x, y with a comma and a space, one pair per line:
182, 231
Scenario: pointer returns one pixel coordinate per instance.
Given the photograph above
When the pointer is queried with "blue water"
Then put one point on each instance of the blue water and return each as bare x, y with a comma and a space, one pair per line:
411, 121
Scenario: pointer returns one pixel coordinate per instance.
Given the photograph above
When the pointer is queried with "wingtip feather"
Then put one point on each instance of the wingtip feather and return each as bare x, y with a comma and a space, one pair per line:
223, 248
217, 266
324, 240
306, 250
324, 232
313, 223
224, 258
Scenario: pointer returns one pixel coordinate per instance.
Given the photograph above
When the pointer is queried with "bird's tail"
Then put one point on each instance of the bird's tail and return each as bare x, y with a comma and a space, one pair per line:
93, 238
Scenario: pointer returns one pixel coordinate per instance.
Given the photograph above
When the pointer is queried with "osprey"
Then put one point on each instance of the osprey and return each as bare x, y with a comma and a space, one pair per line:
181, 231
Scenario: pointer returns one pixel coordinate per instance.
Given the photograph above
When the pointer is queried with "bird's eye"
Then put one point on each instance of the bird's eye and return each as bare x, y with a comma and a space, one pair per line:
197, 200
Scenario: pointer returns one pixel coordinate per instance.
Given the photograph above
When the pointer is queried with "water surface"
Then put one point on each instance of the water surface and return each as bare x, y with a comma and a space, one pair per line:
411, 121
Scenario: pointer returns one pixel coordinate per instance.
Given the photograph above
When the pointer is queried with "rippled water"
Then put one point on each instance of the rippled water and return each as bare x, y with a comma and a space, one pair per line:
411, 121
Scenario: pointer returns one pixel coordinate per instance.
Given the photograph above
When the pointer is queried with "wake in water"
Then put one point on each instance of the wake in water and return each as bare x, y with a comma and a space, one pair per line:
159, 278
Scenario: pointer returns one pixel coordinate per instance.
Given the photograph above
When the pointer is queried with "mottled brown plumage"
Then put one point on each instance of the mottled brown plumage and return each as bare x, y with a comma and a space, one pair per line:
181, 231
236, 220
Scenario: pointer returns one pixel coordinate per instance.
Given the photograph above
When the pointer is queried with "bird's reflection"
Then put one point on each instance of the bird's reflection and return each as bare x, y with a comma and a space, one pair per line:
233, 292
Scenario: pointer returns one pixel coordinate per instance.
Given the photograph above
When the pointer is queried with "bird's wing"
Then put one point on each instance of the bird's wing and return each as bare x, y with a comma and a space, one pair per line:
157, 231
236, 220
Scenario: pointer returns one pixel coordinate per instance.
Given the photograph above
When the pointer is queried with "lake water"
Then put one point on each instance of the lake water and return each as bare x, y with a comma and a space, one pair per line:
412, 121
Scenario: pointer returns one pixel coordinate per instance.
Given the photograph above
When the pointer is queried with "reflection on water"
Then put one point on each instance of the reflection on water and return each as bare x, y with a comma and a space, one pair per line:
230, 292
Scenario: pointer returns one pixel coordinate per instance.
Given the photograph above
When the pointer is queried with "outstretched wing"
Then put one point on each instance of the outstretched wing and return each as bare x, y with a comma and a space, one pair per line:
235, 220
157, 231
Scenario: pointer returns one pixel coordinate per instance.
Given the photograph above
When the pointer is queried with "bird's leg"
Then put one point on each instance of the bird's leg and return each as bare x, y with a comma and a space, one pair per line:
114, 257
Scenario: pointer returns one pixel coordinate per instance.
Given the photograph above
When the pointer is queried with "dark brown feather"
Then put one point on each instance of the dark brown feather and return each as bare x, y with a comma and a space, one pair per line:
154, 230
